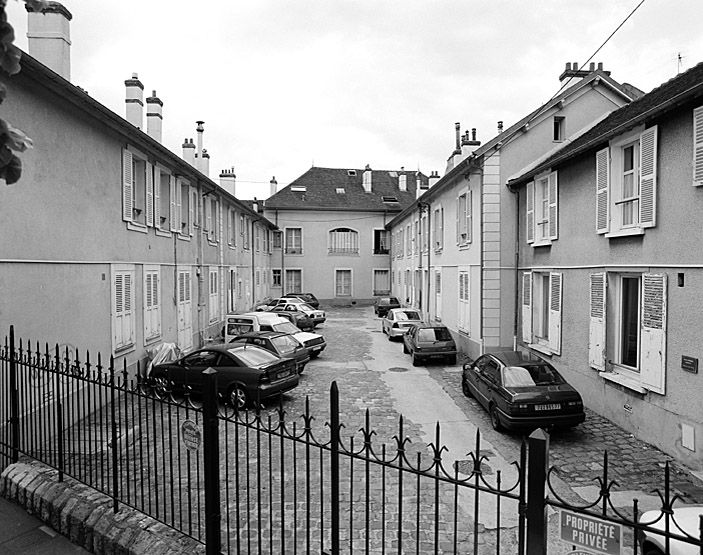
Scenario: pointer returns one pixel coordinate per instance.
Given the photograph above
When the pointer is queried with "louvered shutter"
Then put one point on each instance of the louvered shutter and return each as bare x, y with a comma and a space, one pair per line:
119, 309
648, 177
530, 219
467, 217
128, 320
603, 191
596, 330
553, 206
191, 211
698, 146
149, 194
127, 186
156, 299
555, 297
157, 198
653, 333
459, 218
179, 207
172, 204
147, 304
527, 307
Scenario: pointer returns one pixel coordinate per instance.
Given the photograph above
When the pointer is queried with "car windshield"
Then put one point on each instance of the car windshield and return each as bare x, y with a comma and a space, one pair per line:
433, 334
530, 376
285, 327
407, 315
285, 344
253, 356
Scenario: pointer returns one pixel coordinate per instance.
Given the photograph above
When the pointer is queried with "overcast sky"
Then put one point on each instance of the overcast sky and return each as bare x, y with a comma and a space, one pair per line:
284, 85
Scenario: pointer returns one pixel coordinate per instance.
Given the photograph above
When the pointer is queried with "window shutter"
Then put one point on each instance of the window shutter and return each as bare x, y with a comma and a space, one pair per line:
128, 312
179, 208
172, 203
119, 309
555, 296
527, 307
648, 177
653, 333
698, 146
191, 211
530, 219
157, 198
127, 186
467, 216
603, 191
149, 194
459, 217
147, 304
553, 206
155, 286
596, 330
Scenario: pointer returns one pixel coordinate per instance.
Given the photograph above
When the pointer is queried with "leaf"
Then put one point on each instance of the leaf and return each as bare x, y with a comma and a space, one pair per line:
13, 171
16, 139
10, 59
37, 5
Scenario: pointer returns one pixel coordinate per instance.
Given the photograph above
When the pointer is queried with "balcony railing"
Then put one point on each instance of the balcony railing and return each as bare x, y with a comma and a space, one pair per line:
343, 250
294, 250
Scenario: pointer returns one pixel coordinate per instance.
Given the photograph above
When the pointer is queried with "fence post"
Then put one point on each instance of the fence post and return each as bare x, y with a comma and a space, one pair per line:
334, 465
113, 440
211, 462
59, 410
14, 400
537, 465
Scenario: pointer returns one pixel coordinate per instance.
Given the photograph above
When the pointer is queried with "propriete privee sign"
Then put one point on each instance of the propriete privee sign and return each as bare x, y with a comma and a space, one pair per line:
592, 533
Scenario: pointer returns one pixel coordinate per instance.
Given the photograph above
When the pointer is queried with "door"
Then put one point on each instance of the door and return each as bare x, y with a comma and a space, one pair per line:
184, 311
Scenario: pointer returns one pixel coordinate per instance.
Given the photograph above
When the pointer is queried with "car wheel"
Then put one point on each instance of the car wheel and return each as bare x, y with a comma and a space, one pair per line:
161, 387
465, 388
495, 420
416, 360
405, 349
451, 360
314, 355
237, 397
390, 337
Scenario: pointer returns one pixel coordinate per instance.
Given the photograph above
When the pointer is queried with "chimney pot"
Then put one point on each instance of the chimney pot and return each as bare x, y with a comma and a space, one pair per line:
500, 127
575, 66
568, 66
600, 65
592, 66
473, 133
457, 132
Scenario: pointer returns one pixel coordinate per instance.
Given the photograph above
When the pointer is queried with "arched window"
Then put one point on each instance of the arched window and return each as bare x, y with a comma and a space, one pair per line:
344, 241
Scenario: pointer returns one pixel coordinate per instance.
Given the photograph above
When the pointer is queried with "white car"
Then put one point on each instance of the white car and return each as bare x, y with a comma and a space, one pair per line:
685, 521
399, 320
317, 316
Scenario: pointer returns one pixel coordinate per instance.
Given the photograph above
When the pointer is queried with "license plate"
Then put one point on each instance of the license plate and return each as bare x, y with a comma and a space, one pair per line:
284, 374
548, 406
317, 349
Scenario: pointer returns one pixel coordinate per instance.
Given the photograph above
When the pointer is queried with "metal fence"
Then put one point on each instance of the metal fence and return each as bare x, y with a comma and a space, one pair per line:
264, 481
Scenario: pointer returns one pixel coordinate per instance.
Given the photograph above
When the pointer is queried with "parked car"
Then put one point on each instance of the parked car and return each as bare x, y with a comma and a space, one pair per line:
382, 305
424, 341
399, 320
685, 521
283, 345
307, 297
246, 373
522, 391
317, 316
296, 317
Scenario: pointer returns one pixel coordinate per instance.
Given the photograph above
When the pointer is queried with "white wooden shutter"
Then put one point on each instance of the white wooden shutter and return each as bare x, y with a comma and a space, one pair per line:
530, 206
553, 206
156, 302
698, 146
459, 218
157, 198
119, 309
174, 225
555, 297
179, 208
147, 304
527, 307
653, 333
648, 177
603, 191
127, 186
468, 219
128, 322
149, 194
191, 211
596, 330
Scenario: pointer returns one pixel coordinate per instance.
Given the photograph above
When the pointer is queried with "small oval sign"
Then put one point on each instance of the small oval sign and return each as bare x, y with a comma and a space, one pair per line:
191, 436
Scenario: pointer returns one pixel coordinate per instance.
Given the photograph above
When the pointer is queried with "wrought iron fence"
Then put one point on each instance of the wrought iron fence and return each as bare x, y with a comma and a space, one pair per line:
266, 481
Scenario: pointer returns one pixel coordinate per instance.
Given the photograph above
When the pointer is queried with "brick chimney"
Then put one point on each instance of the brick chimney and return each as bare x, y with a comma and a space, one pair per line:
48, 36
134, 100
273, 186
154, 116
199, 150
420, 186
228, 181
205, 163
469, 144
574, 74
402, 180
367, 179
434, 177
189, 151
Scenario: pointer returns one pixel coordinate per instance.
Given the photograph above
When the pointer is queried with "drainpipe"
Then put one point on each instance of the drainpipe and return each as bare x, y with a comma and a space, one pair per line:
480, 297
253, 265
422, 206
517, 264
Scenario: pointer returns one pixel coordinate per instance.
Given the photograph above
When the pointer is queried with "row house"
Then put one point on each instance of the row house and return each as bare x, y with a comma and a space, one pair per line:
611, 274
333, 240
455, 247
112, 242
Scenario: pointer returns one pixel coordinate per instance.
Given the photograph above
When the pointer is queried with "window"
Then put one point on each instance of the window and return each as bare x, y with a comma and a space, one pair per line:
232, 228
464, 320
343, 283
381, 282
162, 200
277, 237
231, 290
137, 194
343, 241
629, 311
542, 210
276, 278
294, 280
152, 303
194, 207
257, 276
415, 238
139, 190
257, 238
213, 220
626, 184
463, 218
183, 205
246, 231
438, 295
424, 231
123, 308
294, 240
559, 128
380, 241
438, 224
213, 297
541, 301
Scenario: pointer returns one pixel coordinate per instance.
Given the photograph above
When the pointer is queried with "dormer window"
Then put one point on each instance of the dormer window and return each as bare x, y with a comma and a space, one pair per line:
389, 199
559, 125
340, 190
351, 172
298, 188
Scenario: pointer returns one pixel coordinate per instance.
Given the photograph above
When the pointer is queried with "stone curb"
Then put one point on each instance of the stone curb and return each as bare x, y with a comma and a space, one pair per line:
85, 516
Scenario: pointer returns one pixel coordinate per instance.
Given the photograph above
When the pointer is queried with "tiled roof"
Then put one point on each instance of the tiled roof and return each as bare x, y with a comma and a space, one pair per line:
678, 90
342, 189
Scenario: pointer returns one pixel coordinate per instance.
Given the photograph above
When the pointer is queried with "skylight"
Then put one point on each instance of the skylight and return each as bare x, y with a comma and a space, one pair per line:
298, 188
351, 172
340, 190
390, 199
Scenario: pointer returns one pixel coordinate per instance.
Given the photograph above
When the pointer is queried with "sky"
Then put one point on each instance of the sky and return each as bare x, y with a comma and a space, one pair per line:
285, 85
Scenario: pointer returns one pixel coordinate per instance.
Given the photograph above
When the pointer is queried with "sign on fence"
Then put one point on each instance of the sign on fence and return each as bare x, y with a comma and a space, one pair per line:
191, 435
590, 532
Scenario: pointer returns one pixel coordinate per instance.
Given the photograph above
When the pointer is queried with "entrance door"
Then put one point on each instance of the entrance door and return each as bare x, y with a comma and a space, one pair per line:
185, 311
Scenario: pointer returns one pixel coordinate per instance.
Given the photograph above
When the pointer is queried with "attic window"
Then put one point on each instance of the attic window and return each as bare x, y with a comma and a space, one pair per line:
351, 172
298, 188
340, 190
390, 199
393, 174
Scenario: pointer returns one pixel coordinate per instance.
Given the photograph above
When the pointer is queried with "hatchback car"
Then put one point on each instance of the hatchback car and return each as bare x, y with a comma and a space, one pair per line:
685, 521
382, 305
296, 317
246, 373
399, 320
425, 341
522, 391
280, 344
307, 297
317, 316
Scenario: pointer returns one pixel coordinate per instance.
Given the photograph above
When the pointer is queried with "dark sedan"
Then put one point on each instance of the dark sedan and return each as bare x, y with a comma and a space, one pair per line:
296, 317
522, 391
307, 297
281, 344
246, 373
382, 305
425, 341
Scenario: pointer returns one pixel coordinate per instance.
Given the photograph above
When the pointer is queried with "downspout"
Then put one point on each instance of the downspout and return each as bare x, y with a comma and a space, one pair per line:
253, 262
429, 252
517, 264
480, 297
199, 266
283, 251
